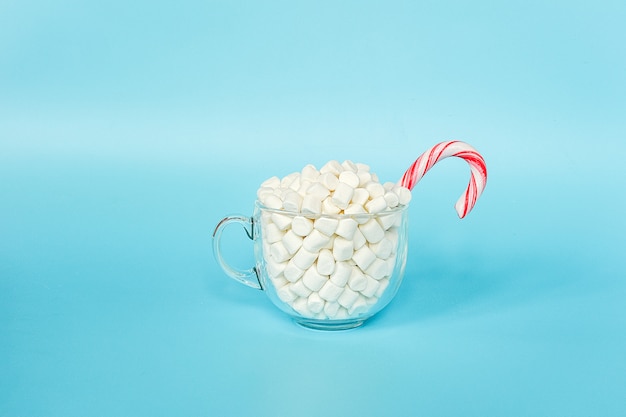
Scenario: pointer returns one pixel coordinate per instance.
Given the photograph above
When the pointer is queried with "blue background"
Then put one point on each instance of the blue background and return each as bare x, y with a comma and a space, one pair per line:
129, 129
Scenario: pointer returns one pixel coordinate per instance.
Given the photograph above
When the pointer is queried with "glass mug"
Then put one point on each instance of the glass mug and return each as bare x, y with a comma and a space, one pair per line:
327, 272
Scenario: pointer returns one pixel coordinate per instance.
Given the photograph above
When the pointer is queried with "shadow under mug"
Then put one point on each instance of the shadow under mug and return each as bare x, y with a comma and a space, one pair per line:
327, 272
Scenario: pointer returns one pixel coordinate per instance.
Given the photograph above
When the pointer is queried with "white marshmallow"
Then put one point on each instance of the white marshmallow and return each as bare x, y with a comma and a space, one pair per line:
313, 280
311, 204
358, 239
371, 301
286, 181
333, 167
372, 231
392, 236
292, 242
357, 281
285, 294
315, 241
350, 178
342, 274
404, 195
347, 297
303, 259
357, 212
342, 313
371, 287
391, 265
292, 201
378, 269
325, 262
360, 196
342, 195
349, 166
301, 306
303, 185
330, 291
392, 199
279, 281
375, 189
273, 201
301, 226
376, 205
273, 182
279, 253
280, 192
295, 184
292, 273
328, 207
263, 192
318, 190
272, 234
346, 228
282, 221
382, 249
364, 177
326, 225
300, 289
329, 180
267, 249
398, 221
342, 249
359, 306
384, 283
309, 172
275, 269
315, 303
361, 167
331, 309
388, 220
364, 257
389, 186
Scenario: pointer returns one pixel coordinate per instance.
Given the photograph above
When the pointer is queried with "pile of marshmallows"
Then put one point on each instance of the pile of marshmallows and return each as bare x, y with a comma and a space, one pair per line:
330, 267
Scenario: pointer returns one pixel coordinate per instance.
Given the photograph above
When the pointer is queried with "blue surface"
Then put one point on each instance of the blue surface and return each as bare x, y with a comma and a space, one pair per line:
128, 130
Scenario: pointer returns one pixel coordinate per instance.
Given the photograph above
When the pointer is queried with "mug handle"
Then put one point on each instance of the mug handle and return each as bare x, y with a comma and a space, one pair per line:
248, 277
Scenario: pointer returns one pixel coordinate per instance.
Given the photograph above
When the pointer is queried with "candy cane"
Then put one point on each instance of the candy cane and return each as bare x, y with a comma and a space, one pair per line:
478, 178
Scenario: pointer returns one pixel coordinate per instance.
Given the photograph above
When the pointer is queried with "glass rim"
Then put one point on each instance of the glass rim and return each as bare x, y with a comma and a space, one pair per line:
387, 212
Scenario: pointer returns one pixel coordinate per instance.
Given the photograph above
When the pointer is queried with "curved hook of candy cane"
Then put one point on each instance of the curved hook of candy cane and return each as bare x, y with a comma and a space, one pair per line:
478, 169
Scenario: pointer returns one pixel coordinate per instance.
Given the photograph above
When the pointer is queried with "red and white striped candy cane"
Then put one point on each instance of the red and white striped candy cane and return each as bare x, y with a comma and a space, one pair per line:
478, 178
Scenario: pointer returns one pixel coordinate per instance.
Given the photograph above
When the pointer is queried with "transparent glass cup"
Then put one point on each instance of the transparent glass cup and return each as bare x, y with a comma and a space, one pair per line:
327, 272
